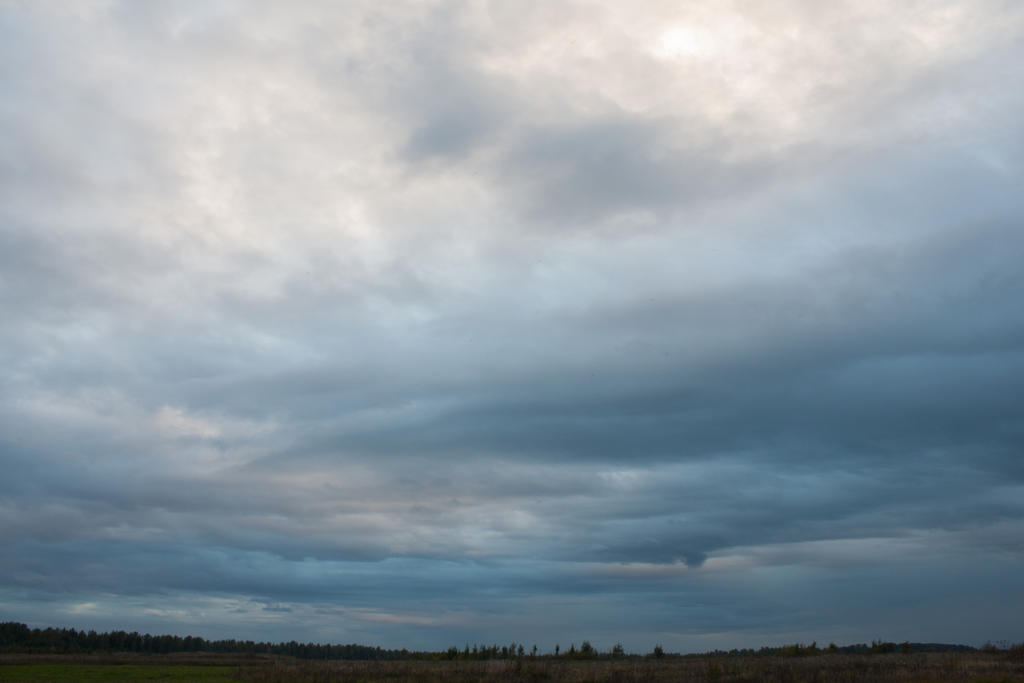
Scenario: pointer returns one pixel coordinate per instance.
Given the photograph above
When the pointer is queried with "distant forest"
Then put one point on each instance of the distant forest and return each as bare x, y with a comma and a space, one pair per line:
16, 637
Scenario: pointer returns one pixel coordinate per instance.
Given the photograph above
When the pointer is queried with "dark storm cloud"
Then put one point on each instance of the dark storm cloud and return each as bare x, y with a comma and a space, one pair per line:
455, 109
415, 325
587, 172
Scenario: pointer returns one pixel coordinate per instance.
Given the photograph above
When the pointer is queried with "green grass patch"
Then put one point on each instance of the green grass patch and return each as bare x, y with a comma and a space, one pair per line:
113, 672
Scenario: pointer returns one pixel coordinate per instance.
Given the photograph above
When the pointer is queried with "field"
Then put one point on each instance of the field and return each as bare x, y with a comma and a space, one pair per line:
895, 668
127, 667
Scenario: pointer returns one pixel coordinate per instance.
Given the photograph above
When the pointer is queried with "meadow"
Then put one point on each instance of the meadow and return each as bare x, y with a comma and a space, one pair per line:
971, 667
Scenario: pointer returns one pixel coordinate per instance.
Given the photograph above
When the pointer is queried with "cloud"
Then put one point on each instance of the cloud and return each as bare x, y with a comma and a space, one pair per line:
406, 325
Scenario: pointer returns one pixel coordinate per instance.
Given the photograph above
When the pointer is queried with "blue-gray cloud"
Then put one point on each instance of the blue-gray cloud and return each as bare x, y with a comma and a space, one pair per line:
429, 324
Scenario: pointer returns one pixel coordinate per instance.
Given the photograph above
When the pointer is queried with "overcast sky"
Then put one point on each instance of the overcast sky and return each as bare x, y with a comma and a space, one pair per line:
419, 323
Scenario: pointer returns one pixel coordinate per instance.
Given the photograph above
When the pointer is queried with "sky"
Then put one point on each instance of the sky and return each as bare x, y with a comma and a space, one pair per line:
416, 324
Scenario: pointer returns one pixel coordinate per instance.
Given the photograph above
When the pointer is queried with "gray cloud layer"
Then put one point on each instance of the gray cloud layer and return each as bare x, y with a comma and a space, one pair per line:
430, 323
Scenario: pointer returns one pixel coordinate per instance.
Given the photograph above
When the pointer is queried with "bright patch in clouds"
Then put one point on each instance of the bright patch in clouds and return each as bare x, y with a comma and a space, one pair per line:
702, 42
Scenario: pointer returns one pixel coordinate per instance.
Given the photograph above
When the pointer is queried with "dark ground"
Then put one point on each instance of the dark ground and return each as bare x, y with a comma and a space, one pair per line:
974, 667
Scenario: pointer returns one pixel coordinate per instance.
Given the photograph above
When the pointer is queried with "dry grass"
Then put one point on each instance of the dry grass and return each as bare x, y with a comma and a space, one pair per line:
889, 668
895, 668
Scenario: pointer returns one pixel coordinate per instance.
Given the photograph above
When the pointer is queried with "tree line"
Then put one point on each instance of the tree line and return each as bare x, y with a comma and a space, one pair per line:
18, 637
876, 647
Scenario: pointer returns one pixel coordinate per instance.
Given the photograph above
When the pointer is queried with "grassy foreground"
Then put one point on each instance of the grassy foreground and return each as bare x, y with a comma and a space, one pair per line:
112, 672
127, 667
894, 668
